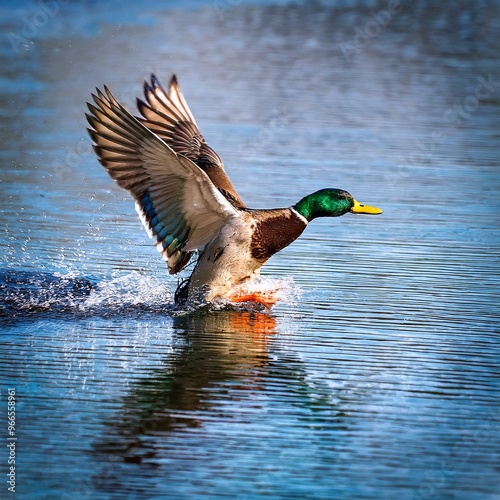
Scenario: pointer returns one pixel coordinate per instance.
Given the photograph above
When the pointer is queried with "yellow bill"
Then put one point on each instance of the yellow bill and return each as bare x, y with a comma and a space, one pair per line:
360, 208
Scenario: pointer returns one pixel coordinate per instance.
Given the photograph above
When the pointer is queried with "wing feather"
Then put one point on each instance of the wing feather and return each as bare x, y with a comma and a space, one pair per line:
167, 114
177, 203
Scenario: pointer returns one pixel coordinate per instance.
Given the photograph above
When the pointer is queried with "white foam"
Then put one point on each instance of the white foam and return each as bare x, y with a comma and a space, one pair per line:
124, 294
129, 291
283, 289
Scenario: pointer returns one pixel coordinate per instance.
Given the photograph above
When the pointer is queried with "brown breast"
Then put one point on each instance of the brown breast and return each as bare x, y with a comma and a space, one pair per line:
274, 230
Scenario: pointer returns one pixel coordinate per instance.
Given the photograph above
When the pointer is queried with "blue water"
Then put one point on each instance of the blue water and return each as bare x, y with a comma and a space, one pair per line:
377, 375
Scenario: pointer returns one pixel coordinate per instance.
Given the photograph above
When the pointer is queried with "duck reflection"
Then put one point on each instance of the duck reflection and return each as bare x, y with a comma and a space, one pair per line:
216, 358
216, 349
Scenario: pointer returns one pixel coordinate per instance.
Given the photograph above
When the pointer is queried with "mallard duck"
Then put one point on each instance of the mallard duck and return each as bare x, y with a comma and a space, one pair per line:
186, 201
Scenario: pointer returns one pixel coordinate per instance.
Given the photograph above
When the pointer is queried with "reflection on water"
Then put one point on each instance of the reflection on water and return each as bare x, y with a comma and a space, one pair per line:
223, 375
218, 351
381, 381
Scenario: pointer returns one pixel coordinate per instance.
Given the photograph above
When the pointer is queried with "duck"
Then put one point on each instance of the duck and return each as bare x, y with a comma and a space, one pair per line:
186, 201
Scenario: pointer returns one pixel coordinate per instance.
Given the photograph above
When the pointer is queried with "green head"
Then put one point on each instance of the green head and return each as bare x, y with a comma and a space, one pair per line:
331, 203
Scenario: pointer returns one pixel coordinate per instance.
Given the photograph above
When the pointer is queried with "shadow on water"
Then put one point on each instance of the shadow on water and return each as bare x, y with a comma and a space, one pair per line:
24, 294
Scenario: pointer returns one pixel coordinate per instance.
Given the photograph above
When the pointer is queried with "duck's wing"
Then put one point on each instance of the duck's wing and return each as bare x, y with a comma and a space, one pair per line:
178, 204
167, 114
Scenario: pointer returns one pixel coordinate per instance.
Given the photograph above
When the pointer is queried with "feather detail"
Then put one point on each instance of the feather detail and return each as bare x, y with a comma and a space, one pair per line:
177, 203
167, 115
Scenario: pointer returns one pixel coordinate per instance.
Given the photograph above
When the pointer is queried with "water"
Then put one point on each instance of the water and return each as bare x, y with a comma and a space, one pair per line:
377, 375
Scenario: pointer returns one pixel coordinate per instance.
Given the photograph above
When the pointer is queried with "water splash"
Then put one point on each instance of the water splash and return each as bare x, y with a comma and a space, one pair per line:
24, 293
283, 289
132, 291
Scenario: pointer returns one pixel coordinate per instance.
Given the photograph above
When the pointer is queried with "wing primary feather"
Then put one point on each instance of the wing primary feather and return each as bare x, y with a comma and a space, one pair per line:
160, 180
167, 114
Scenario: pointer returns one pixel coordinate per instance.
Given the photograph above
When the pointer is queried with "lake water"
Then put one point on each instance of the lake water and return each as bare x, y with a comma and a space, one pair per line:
377, 375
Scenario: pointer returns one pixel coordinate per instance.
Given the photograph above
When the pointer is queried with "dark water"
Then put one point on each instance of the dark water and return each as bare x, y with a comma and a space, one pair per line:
377, 376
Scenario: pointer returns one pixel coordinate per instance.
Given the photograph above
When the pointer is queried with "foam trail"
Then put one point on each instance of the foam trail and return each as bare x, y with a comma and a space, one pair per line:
131, 292
24, 293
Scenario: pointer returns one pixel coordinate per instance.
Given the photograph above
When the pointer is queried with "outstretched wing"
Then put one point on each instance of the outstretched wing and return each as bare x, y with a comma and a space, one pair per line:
177, 202
167, 114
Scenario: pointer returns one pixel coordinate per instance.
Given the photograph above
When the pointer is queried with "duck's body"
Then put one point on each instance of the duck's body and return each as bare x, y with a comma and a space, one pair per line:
187, 202
237, 253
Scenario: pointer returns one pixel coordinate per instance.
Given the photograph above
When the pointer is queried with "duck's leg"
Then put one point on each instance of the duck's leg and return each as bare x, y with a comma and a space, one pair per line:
267, 299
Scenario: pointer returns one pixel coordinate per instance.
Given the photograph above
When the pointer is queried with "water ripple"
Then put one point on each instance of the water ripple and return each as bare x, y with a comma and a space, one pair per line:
377, 375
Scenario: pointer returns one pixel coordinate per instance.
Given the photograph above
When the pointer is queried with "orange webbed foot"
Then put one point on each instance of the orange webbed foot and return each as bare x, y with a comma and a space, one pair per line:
266, 299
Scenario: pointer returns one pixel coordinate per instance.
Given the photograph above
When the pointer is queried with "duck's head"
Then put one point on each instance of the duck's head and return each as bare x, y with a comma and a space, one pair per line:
331, 202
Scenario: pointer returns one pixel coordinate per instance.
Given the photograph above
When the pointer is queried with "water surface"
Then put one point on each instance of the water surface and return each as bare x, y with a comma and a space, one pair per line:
378, 374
